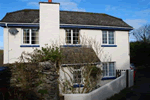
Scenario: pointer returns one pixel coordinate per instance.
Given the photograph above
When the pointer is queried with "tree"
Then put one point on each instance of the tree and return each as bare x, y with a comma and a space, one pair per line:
140, 53
142, 34
139, 50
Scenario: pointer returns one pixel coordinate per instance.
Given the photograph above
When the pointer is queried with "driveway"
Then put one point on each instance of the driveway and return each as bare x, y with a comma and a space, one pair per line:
141, 89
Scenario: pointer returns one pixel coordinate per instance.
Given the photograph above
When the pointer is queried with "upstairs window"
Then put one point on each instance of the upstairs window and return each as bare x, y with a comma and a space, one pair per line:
72, 36
107, 37
31, 36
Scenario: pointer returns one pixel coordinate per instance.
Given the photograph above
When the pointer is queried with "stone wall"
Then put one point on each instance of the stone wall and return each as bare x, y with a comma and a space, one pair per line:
40, 78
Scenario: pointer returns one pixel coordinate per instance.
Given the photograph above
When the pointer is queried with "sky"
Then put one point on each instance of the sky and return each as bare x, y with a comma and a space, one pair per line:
134, 12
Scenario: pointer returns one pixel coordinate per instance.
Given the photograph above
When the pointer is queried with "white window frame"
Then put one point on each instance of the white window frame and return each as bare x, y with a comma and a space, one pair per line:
30, 37
72, 37
108, 38
108, 69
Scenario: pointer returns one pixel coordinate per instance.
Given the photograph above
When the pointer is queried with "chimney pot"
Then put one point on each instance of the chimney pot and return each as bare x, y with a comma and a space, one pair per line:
49, 0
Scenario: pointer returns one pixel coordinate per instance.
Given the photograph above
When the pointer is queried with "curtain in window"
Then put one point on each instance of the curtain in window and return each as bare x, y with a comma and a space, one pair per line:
35, 36
26, 36
68, 36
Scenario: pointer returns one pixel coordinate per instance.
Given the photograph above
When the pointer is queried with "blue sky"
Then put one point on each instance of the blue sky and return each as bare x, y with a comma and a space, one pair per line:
135, 12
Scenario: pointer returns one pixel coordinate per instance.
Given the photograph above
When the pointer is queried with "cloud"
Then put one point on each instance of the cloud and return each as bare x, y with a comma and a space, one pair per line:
108, 7
143, 13
33, 3
70, 5
136, 23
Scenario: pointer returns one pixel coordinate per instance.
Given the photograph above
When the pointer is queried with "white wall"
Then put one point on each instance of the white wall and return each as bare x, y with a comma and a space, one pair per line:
13, 49
103, 92
119, 54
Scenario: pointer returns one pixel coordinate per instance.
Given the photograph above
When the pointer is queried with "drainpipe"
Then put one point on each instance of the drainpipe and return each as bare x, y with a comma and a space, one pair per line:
8, 41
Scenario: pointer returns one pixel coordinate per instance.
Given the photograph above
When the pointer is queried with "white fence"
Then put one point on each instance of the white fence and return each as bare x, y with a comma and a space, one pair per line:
103, 92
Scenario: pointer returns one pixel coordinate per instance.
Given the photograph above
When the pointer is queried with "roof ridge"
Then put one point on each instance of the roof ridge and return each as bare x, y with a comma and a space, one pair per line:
23, 10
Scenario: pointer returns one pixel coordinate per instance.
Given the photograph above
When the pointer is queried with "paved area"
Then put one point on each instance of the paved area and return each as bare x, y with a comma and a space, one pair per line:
141, 89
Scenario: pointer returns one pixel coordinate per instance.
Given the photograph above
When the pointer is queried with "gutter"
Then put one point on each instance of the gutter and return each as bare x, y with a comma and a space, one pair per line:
2, 24
80, 64
16, 23
66, 26
96, 26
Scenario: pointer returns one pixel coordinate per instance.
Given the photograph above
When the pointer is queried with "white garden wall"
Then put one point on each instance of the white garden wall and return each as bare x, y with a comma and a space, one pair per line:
103, 92
131, 78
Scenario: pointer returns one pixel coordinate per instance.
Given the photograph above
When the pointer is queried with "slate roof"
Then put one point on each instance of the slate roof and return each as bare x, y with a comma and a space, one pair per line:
75, 55
66, 17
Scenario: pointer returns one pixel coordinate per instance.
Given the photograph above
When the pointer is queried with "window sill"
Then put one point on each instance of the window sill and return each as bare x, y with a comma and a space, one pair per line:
72, 45
77, 85
108, 45
29, 45
108, 78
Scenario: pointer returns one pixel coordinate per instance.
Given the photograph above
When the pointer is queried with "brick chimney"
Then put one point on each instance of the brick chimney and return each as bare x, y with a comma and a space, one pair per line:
49, 0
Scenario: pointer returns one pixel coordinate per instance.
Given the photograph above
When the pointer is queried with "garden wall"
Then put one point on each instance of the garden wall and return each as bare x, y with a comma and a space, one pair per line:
103, 92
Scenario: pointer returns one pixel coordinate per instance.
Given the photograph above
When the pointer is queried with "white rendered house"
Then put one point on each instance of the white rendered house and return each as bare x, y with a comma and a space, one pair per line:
35, 28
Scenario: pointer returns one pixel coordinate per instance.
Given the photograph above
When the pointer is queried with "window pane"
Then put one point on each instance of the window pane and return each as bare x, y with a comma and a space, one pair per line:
26, 36
68, 30
105, 73
104, 37
35, 36
77, 74
111, 69
75, 36
76, 30
111, 37
68, 36
35, 42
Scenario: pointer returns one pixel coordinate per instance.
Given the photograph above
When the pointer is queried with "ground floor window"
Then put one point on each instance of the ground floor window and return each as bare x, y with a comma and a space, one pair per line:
77, 76
109, 69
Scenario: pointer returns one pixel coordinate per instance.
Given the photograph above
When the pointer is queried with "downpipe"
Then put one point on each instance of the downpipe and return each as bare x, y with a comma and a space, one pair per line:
8, 41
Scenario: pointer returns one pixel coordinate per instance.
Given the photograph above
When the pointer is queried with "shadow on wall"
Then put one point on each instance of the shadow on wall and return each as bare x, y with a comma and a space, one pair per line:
125, 66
